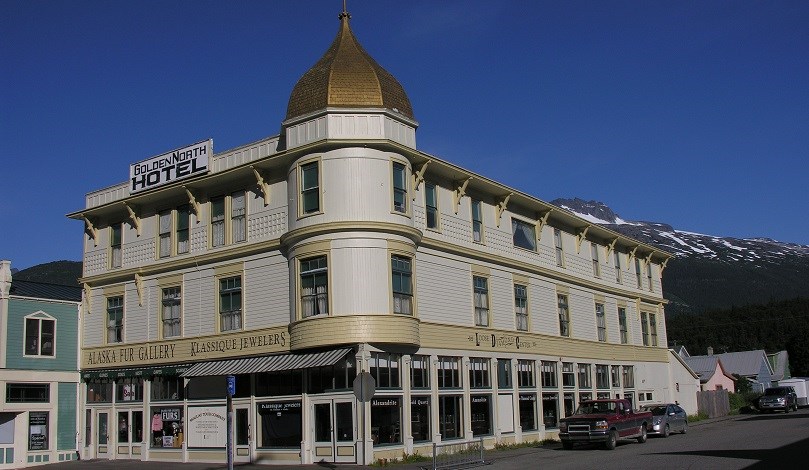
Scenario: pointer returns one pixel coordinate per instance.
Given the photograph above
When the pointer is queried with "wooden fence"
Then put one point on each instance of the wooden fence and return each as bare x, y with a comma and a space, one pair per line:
714, 403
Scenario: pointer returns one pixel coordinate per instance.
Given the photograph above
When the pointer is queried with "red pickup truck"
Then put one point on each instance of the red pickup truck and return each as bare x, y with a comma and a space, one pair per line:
606, 421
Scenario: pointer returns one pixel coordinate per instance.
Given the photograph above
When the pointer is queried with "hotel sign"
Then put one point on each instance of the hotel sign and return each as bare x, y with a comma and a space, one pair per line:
169, 167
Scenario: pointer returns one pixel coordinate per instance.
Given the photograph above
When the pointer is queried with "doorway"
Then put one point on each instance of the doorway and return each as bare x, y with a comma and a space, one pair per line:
102, 436
333, 430
129, 434
242, 433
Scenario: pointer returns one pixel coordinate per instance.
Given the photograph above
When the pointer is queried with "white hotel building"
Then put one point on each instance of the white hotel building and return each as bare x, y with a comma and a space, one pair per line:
299, 261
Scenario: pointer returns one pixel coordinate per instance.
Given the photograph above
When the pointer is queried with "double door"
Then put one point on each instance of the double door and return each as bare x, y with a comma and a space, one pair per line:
128, 434
334, 430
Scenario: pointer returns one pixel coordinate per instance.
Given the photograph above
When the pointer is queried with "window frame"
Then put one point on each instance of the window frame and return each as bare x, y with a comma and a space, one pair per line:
601, 322
314, 273
229, 291
563, 308
596, 259
524, 225
423, 371
480, 373
171, 302
558, 243
526, 377
644, 328
182, 229
120, 323
166, 233
617, 260
235, 218
39, 317
116, 245
549, 375
398, 271
653, 328
218, 220
303, 191
584, 375
568, 375
431, 191
27, 392
454, 372
480, 291
399, 188
623, 325
638, 274
393, 369
521, 315
476, 209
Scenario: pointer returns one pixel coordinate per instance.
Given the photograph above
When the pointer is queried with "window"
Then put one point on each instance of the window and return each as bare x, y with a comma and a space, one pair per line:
504, 373
548, 370
385, 369
238, 219
637, 272
481, 414
230, 303
569, 403
560, 254
167, 388
420, 418
524, 234
328, 378
281, 424
39, 336
481, 301
420, 372
37, 430
273, 384
602, 376
115, 245
568, 375
622, 325
171, 312
115, 319
164, 233
644, 327
310, 189
584, 376
99, 391
601, 323
629, 377
431, 205
550, 410
183, 214
653, 328
402, 278
564, 315
386, 420
28, 393
166, 425
448, 369
129, 389
477, 222
450, 416
479, 372
399, 188
218, 221
521, 306
525, 373
314, 287
596, 263
649, 276
617, 267
528, 411
615, 373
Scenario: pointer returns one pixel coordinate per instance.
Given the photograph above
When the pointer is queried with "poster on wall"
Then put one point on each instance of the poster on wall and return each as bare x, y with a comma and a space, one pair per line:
207, 426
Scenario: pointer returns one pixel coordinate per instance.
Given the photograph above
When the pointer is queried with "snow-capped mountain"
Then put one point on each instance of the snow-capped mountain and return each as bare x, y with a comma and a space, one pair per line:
711, 271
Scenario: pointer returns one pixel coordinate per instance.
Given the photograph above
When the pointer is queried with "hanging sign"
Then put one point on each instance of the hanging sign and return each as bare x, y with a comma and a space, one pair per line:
173, 166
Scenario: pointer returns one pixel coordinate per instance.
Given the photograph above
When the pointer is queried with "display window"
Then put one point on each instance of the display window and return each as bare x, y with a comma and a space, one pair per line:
450, 416
166, 426
528, 411
420, 418
481, 414
386, 420
281, 424
38, 430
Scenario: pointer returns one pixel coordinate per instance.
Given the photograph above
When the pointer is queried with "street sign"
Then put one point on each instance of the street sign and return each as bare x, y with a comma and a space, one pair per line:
364, 386
231, 385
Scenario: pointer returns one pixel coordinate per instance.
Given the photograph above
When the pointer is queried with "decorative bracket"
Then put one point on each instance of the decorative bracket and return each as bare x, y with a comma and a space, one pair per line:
139, 287
542, 221
580, 236
663, 265
632, 253
192, 200
91, 230
611, 247
86, 288
262, 184
501, 207
418, 176
460, 191
648, 259
133, 217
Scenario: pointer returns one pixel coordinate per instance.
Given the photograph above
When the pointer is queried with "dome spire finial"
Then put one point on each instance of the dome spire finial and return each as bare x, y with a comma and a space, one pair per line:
344, 13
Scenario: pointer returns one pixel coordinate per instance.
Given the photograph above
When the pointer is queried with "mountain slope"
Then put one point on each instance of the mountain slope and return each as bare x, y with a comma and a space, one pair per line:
709, 271
65, 273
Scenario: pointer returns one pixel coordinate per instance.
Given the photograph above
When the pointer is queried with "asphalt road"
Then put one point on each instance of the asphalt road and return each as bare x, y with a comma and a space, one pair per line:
741, 442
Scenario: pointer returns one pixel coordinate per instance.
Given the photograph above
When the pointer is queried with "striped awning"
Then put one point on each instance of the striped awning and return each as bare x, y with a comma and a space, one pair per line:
277, 363
90, 374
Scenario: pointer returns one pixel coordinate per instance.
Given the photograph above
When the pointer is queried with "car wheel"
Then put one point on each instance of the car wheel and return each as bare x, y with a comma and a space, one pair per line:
786, 410
612, 440
642, 437
567, 445
666, 431
685, 427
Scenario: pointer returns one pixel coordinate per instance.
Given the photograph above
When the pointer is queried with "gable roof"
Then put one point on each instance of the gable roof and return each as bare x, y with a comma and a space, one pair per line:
744, 363
703, 366
779, 361
43, 290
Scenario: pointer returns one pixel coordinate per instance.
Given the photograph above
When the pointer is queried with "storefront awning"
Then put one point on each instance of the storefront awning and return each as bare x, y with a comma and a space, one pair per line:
275, 363
134, 372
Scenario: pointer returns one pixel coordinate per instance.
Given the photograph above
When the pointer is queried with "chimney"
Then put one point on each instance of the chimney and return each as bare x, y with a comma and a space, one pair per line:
710, 351
5, 278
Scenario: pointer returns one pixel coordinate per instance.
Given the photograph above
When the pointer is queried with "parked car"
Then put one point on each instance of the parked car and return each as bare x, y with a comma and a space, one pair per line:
778, 398
666, 419
604, 421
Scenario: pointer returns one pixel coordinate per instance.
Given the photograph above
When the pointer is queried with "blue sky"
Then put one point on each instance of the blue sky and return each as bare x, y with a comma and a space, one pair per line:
693, 113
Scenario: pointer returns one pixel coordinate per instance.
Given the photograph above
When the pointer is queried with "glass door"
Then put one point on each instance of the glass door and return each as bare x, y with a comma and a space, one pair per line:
242, 433
334, 430
103, 450
129, 433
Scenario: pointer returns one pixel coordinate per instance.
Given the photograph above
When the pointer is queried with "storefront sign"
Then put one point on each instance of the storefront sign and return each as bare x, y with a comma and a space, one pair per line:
172, 166
502, 341
207, 426
278, 407
385, 402
170, 414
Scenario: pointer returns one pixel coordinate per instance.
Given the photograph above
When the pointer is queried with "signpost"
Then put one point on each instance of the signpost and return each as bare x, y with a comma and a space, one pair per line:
364, 389
231, 391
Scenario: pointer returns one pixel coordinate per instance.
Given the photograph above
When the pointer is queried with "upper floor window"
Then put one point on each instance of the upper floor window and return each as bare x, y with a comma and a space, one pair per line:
218, 221
314, 287
115, 319
477, 221
481, 291
649, 276
449, 372
385, 369
28, 393
521, 306
230, 303
420, 371
644, 328
653, 328
615, 375
172, 325
596, 261
164, 233
115, 245
564, 315
504, 373
431, 205
637, 272
479, 372
524, 234
183, 216
584, 376
402, 278
629, 377
601, 322
525, 373
568, 375
310, 188
622, 325
618, 278
238, 216
399, 188
39, 336
548, 374
602, 376
167, 225
557, 241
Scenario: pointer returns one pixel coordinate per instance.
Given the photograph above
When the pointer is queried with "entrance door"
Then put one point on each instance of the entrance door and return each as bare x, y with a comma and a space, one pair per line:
334, 430
129, 434
103, 450
242, 433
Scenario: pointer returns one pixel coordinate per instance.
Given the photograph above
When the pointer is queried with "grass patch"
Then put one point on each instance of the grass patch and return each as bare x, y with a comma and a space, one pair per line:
697, 417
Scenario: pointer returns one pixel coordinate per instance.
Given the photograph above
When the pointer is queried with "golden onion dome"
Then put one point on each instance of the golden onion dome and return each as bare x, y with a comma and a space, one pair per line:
347, 77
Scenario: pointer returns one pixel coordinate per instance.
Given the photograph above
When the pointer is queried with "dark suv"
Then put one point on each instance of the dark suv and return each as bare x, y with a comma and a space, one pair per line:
778, 398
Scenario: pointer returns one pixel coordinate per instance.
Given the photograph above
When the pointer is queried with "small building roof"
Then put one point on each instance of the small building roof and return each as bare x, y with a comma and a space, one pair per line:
779, 361
703, 366
743, 363
43, 290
